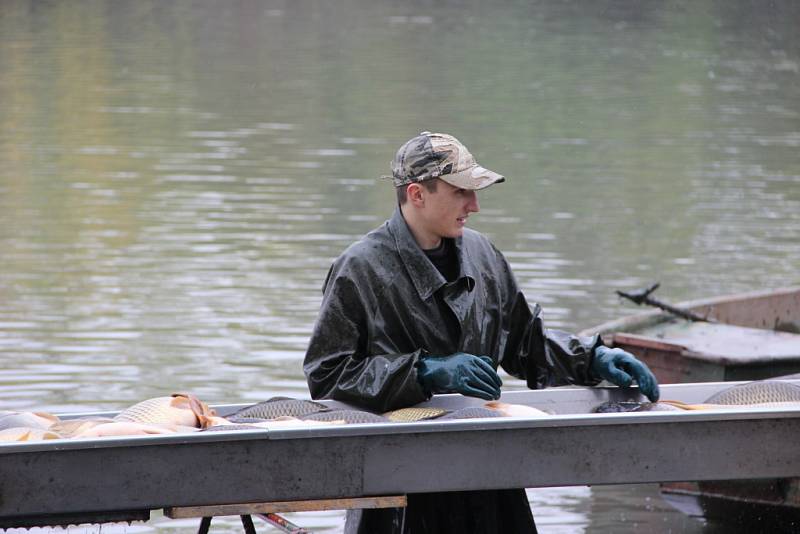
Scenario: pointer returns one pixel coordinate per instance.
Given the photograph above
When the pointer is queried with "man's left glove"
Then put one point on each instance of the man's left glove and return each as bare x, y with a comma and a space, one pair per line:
621, 368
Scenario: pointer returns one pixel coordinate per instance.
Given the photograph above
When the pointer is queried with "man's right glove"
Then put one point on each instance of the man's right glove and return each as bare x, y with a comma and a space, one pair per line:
463, 373
622, 368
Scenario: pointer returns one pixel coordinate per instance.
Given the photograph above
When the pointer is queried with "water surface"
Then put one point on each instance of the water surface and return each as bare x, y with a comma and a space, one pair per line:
175, 179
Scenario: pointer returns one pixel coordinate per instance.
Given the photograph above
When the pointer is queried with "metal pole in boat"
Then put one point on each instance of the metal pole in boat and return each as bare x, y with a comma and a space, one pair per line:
642, 296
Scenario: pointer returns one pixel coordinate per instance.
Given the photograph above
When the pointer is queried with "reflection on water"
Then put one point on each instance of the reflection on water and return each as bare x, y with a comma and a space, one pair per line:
175, 178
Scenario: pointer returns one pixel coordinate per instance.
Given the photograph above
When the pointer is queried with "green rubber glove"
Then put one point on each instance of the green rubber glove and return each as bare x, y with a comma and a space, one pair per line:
621, 368
463, 373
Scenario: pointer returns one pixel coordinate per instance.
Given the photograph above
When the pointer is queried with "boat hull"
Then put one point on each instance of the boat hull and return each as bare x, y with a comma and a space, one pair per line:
44, 482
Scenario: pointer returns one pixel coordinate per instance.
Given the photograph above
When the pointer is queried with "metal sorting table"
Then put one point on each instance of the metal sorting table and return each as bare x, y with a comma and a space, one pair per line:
113, 479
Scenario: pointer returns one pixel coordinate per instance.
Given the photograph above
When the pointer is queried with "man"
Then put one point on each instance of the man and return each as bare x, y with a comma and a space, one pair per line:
422, 305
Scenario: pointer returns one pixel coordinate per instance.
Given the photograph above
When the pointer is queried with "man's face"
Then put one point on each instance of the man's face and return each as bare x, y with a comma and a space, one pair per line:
446, 210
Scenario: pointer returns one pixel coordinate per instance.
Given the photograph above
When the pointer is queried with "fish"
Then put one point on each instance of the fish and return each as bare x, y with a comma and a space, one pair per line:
281, 406
635, 406
282, 421
756, 395
708, 406
178, 409
412, 414
26, 419
234, 426
122, 428
245, 420
290, 421
757, 392
515, 410
26, 434
349, 417
215, 420
69, 427
472, 412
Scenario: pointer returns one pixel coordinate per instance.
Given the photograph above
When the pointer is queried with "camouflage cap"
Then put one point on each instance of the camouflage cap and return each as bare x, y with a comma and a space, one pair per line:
435, 155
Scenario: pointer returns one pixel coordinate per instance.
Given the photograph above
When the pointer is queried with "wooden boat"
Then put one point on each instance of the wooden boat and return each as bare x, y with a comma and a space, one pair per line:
753, 336
63, 481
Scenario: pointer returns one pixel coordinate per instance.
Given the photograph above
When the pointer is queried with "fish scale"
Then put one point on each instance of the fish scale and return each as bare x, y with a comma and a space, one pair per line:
281, 407
412, 414
26, 419
175, 409
758, 392
472, 412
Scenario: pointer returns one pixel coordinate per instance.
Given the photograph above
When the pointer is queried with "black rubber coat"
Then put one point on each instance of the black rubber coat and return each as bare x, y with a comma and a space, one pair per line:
384, 306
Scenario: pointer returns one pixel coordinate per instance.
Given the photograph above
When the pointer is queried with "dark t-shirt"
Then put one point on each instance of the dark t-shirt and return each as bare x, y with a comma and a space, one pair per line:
444, 258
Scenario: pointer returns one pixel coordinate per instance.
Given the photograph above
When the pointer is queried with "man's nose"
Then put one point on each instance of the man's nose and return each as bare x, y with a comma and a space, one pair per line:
473, 205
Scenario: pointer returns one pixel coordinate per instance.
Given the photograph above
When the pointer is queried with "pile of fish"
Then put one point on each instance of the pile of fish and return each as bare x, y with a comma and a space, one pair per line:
754, 395
182, 412
161, 415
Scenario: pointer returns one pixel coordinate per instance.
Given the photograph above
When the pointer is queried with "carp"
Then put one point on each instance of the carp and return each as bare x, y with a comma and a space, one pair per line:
473, 412
121, 428
177, 409
758, 392
26, 434
235, 426
515, 410
70, 427
413, 414
280, 407
635, 406
42, 420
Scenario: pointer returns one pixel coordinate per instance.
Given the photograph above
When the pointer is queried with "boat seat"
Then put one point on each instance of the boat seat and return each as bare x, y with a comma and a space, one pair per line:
725, 344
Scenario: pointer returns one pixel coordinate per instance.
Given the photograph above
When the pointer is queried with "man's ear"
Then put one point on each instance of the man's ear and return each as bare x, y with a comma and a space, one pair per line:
415, 194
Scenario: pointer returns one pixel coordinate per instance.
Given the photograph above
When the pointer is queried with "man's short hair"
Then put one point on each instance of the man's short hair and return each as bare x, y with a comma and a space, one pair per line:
402, 195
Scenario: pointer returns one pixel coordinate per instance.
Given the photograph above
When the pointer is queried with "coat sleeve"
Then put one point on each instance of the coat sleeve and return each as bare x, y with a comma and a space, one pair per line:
337, 364
541, 356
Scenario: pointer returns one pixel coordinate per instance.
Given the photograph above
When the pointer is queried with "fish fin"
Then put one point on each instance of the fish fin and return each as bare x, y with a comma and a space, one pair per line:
201, 411
678, 404
499, 406
213, 420
180, 400
48, 415
685, 406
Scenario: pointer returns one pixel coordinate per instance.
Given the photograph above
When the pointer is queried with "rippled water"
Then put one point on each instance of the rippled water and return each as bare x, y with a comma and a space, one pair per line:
175, 179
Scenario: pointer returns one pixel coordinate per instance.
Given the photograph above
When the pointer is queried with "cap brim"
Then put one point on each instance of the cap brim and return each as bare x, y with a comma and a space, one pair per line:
476, 177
